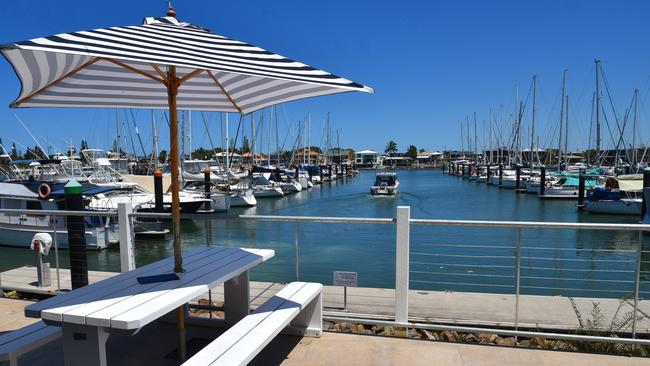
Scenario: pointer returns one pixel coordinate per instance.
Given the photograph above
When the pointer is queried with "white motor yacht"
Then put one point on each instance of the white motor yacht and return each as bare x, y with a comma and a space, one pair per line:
386, 184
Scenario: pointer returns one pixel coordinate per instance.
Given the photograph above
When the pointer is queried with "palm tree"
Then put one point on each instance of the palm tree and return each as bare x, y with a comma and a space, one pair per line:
391, 148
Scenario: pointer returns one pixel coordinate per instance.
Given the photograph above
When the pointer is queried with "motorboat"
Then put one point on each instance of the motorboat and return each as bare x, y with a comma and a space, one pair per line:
18, 229
386, 184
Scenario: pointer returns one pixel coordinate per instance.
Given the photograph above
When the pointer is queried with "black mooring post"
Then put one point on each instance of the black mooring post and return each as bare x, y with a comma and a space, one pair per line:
158, 190
462, 170
542, 181
478, 171
646, 185
518, 177
488, 173
581, 189
320, 173
206, 188
76, 235
500, 175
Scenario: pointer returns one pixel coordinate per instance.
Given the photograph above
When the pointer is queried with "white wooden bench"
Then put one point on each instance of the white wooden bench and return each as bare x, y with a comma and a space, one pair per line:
299, 304
23, 340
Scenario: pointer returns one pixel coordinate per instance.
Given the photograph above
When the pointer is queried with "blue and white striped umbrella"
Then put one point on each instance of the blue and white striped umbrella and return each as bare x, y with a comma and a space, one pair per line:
126, 67
163, 63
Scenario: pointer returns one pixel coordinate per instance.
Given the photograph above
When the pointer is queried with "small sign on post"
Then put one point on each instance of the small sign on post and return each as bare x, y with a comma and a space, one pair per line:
345, 279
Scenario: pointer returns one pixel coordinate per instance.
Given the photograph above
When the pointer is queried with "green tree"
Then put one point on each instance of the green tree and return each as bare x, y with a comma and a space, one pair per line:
84, 146
391, 147
245, 146
412, 152
14, 152
201, 153
162, 157
34, 153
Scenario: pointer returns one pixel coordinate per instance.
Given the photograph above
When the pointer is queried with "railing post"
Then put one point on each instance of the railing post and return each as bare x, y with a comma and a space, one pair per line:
637, 281
127, 260
517, 278
297, 246
402, 264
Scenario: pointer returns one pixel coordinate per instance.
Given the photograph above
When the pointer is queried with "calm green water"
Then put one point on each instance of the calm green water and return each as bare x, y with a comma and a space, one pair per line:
553, 262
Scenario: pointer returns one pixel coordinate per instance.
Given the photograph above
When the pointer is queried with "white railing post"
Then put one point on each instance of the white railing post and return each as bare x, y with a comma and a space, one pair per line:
402, 264
127, 259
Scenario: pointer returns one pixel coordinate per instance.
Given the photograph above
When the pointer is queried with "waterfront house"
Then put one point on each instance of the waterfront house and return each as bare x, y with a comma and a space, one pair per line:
367, 158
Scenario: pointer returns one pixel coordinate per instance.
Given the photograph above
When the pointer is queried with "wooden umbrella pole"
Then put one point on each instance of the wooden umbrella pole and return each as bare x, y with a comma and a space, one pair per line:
172, 90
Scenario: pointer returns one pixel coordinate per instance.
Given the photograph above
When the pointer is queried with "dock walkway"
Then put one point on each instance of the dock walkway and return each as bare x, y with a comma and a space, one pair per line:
461, 308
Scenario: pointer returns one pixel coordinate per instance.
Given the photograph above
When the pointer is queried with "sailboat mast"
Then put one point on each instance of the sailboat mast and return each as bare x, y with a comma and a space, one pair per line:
462, 138
532, 123
117, 141
227, 144
475, 139
155, 140
490, 126
634, 154
253, 142
277, 139
189, 133
559, 148
566, 130
597, 110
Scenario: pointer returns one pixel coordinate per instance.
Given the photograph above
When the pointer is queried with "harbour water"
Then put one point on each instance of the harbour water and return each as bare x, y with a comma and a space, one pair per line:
553, 261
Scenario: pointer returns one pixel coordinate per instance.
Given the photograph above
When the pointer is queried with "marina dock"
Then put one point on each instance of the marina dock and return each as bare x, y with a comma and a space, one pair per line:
558, 313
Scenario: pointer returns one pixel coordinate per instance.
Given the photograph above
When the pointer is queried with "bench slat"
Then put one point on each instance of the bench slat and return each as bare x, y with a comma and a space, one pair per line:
249, 346
29, 341
21, 332
83, 294
148, 311
233, 335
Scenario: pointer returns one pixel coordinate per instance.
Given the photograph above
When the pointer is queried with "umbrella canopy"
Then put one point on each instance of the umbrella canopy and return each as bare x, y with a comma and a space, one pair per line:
163, 63
126, 67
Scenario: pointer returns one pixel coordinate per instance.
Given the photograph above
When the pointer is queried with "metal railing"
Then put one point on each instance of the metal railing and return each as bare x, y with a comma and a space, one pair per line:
502, 257
515, 258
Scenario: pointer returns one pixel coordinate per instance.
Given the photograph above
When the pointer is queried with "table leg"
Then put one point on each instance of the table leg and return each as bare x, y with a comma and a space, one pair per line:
236, 298
84, 345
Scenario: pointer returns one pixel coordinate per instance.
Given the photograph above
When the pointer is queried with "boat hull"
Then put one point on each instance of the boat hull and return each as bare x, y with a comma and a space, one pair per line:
618, 207
21, 236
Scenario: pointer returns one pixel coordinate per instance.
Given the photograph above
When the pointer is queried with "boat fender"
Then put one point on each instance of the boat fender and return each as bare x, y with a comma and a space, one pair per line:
548, 184
44, 191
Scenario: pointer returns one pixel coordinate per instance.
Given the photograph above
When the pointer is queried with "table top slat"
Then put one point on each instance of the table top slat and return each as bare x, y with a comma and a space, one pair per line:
87, 293
145, 313
129, 288
147, 293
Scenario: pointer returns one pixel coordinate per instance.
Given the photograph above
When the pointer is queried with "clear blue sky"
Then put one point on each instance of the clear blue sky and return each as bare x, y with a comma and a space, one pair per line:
431, 63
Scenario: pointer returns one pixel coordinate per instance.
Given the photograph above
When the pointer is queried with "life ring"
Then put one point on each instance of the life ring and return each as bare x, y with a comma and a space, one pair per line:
548, 184
44, 191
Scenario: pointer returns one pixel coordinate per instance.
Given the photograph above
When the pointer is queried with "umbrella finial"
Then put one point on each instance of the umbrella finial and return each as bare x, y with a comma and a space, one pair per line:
170, 11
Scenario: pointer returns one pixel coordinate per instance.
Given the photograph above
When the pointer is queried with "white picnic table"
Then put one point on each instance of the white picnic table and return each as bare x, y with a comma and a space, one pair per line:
120, 304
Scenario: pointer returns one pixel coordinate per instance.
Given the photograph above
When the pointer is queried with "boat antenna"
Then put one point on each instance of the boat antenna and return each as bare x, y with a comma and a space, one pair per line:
30, 134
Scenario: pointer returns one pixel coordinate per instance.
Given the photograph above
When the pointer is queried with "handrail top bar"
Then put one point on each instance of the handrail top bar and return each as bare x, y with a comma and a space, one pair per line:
533, 224
107, 213
351, 220
58, 212
434, 222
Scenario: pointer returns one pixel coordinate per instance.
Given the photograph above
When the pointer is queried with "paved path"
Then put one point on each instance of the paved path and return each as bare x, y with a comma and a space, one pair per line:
549, 312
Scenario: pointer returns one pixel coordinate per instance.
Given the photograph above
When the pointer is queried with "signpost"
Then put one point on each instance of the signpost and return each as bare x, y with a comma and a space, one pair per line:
345, 279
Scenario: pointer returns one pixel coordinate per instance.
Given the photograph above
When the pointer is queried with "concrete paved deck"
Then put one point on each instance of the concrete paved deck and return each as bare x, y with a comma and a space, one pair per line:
462, 308
155, 345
